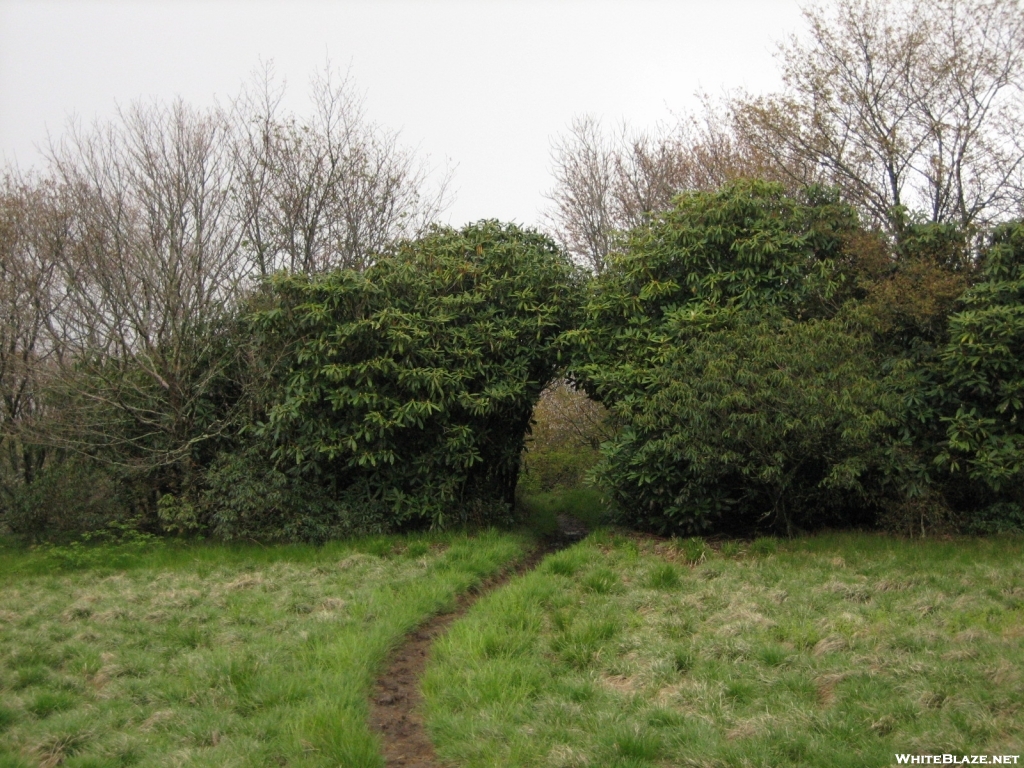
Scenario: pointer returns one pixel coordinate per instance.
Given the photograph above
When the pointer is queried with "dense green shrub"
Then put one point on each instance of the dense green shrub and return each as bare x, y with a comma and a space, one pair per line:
67, 498
743, 394
247, 496
564, 467
906, 291
750, 417
1000, 517
402, 394
982, 374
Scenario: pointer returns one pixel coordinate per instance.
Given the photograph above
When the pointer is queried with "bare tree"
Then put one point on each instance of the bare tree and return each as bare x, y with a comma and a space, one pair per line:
152, 266
912, 105
565, 416
651, 168
153, 228
609, 183
34, 230
325, 191
584, 169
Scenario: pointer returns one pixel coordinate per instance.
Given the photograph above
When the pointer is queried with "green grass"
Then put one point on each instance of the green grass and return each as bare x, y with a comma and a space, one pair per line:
214, 655
541, 510
833, 650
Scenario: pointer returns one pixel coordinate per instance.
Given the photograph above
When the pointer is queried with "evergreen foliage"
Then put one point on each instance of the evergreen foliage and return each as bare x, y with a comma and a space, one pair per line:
742, 392
404, 392
982, 369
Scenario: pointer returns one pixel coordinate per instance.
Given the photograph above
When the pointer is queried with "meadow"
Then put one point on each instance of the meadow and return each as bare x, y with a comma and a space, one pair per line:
830, 650
622, 651
212, 655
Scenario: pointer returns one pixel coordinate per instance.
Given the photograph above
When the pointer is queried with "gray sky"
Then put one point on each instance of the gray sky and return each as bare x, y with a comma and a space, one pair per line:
485, 85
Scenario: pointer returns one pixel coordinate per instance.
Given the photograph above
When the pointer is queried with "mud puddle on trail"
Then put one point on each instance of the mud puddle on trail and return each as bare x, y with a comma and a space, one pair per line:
396, 703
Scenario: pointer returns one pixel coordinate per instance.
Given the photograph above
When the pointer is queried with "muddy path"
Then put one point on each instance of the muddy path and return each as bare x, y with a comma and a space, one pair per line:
396, 702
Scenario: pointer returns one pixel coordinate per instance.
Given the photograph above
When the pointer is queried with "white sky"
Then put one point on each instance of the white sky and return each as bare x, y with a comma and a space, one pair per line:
485, 85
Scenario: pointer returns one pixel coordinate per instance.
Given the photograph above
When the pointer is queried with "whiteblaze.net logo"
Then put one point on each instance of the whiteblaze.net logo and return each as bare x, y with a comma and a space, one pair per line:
957, 759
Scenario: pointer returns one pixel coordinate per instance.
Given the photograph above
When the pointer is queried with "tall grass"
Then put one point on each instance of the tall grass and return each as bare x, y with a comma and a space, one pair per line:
207, 655
833, 650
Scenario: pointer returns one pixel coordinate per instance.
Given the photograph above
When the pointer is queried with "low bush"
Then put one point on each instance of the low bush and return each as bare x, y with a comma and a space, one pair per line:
552, 469
541, 510
66, 499
119, 545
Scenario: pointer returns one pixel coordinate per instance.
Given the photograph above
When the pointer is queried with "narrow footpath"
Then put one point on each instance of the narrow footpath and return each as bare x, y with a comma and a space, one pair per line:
396, 703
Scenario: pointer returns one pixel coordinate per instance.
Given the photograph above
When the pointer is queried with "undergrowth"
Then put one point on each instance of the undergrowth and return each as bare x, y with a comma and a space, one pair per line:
541, 510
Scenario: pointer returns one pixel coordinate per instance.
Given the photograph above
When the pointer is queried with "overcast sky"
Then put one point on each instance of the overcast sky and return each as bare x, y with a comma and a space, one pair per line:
483, 85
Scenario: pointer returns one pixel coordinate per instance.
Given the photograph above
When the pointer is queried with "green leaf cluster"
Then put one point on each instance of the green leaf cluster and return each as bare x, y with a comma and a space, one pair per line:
982, 371
743, 391
408, 387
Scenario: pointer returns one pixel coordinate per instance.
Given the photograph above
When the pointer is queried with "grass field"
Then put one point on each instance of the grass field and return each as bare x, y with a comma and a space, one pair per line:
837, 650
213, 655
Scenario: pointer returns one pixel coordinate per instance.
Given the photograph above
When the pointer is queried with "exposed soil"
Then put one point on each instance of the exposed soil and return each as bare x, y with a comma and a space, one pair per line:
396, 703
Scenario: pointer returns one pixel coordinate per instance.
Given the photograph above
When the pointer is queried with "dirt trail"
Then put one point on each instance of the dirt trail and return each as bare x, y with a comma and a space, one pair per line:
396, 703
